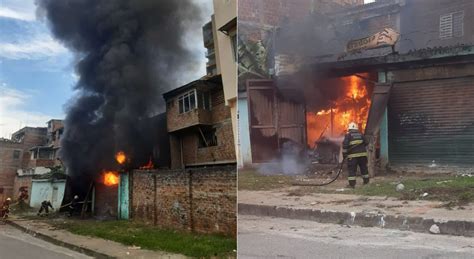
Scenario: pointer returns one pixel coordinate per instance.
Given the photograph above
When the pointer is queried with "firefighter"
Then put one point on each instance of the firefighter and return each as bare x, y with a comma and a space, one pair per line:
5, 208
73, 205
45, 205
23, 198
354, 149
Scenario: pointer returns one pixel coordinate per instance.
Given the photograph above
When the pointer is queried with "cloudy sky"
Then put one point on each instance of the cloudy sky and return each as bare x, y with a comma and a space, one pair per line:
37, 72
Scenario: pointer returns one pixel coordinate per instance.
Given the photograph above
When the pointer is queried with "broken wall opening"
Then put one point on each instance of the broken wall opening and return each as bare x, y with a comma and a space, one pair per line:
331, 104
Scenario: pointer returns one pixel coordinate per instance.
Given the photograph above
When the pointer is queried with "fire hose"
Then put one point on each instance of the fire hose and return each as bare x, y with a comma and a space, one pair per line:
332, 180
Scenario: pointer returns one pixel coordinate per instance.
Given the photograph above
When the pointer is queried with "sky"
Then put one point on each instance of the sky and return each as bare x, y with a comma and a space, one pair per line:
37, 73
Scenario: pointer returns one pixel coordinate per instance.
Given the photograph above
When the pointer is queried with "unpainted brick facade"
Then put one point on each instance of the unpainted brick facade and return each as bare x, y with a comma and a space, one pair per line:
15, 154
259, 17
22, 181
185, 131
201, 200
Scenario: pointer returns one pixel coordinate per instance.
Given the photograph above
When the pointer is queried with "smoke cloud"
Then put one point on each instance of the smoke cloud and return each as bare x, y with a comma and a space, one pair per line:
128, 52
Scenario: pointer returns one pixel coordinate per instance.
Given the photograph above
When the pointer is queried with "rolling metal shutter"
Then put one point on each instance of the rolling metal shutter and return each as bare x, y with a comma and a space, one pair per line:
432, 120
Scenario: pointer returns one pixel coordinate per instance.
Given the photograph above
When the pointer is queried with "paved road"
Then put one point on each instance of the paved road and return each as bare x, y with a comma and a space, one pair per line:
264, 237
15, 244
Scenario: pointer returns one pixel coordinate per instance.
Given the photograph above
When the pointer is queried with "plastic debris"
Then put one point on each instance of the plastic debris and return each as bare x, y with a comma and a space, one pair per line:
400, 187
424, 194
434, 229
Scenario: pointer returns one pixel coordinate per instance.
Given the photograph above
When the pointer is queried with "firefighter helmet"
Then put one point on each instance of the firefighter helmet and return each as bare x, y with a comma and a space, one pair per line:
76, 197
9, 199
352, 126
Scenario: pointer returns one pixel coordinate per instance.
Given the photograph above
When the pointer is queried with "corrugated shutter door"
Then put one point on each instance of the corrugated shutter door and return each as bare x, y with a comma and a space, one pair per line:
432, 120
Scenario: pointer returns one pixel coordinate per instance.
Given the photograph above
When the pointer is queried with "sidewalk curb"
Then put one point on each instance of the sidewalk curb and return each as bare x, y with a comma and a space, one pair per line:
415, 224
58, 242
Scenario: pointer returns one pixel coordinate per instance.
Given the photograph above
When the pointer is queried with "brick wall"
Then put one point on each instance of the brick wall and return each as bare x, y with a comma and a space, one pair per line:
21, 181
201, 200
41, 163
8, 167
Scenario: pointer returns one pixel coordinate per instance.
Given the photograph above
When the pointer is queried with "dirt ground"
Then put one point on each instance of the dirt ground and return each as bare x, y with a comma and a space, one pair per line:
453, 189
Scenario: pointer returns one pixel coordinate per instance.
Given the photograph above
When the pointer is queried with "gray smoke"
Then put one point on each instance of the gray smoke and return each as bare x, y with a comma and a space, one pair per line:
128, 53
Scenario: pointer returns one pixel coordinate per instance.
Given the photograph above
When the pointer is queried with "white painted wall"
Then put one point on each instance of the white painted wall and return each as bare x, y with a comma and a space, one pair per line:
46, 190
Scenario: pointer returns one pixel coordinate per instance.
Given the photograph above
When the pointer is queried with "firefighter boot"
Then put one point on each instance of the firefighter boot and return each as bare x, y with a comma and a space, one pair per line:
352, 182
366, 179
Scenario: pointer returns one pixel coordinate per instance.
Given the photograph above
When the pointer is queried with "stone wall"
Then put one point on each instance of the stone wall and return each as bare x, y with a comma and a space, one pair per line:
201, 200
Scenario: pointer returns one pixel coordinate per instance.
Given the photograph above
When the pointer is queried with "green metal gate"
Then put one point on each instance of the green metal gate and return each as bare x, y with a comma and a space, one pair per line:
123, 196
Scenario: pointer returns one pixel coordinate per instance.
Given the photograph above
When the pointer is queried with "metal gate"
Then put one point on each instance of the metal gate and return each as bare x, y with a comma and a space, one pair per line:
432, 120
123, 196
272, 119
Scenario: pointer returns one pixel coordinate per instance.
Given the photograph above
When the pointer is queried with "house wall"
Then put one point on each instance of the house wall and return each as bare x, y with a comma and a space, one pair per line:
43, 190
420, 23
201, 200
220, 119
22, 181
8, 167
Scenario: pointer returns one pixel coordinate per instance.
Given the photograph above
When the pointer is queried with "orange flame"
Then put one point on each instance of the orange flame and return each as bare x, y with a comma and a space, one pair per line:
120, 157
149, 165
111, 178
352, 106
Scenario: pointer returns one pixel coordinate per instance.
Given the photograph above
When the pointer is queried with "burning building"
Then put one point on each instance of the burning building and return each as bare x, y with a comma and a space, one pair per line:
403, 73
128, 53
116, 151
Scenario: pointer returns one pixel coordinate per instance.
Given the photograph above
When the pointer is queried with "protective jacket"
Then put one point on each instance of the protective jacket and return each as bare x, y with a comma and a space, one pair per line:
354, 144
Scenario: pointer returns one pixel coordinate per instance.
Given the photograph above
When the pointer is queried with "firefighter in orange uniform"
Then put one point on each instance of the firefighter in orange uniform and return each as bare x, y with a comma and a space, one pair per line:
5, 208
354, 149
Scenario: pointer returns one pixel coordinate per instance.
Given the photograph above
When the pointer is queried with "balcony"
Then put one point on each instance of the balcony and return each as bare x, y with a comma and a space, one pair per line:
189, 119
41, 163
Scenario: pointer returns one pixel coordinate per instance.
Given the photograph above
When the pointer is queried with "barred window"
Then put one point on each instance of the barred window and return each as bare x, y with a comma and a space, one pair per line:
451, 25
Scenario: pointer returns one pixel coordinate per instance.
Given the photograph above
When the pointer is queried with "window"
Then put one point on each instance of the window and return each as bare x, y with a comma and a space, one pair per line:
187, 101
204, 100
207, 138
233, 41
16, 154
451, 25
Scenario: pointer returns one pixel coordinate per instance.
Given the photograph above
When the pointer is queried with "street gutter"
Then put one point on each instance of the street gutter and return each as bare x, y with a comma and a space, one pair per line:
58, 242
415, 224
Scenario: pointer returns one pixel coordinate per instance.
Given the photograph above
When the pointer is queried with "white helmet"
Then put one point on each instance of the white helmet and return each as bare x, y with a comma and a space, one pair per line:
76, 197
353, 126
8, 199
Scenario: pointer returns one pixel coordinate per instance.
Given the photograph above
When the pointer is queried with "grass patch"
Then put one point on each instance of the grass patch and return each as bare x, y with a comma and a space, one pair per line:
134, 234
254, 181
456, 190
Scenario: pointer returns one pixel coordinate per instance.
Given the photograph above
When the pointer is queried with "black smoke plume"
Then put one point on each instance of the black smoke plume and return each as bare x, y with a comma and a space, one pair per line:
128, 52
